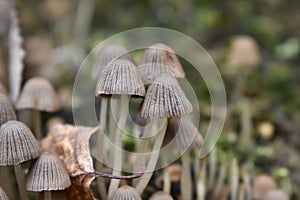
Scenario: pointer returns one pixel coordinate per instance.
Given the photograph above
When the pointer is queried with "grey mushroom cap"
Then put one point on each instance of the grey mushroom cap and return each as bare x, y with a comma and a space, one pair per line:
38, 94
3, 195
157, 59
165, 98
106, 54
120, 77
17, 144
7, 112
126, 193
47, 173
160, 195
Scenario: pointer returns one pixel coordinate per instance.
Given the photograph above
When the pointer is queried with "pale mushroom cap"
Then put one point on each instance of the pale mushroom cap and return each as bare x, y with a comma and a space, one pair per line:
157, 59
48, 173
6, 110
276, 195
17, 144
261, 185
160, 195
106, 54
38, 94
120, 77
182, 134
126, 193
165, 98
3, 195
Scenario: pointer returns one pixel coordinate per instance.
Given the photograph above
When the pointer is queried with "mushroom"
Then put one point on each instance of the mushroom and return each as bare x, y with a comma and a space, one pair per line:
164, 99
160, 195
3, 195
159, 59
126, 193
46, 174
6, 110
38, 94
276, 195
120, 77
262, 185
182, 135
17, 145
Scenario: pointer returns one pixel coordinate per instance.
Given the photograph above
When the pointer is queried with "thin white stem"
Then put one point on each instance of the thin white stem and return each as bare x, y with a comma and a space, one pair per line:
212, 168
37, 124
117, 164
152, 161
20, 181
186, 180
234, 179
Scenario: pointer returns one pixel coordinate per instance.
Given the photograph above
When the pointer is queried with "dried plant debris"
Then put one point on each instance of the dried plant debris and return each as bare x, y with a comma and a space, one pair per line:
120, 77
126, 193
3, 195
165, 98
38, 94
47, 173
106, 54
6, 110
17, 144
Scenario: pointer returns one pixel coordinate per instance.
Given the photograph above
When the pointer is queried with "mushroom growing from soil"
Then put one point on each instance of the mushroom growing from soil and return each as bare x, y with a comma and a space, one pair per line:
160, 195
17, 145
126, 193
46, 174
38, 94
119, 78
262, 184
276, 195
164, 99
6, 110
3, 195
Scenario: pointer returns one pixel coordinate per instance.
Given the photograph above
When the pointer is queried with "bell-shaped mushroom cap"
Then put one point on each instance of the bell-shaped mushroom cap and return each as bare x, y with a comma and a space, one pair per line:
158, 59
3, 195
38, 94
47, 173
160, 195
261, 185
106, 54
126, 193
120, 77
276, 195
6, 110
182, 135
17, 144
165, 98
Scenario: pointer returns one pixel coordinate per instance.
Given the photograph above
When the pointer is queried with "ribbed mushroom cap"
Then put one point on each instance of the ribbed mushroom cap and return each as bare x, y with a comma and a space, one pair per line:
106, 54
3, 195
6, 110
38, 94
165, 98
158, 59
160, 195
261, 185
276, 195
47, 173
126, 193
182, 134
17, 144
120, 77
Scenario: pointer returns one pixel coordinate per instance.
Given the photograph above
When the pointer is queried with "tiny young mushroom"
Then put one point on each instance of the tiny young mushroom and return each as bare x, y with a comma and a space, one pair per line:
3, 195
160, 195
183, 136
17, 145
120, 78
262, 184
38, 94
276, 195
47, 173
6, 110
126, 193
164, 99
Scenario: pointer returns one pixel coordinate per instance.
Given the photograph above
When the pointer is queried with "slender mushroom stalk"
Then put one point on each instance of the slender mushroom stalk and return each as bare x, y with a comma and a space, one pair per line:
201, 182
186, 179
20, 181
222, 174
37, 124
212, 168
47, 195
234, 179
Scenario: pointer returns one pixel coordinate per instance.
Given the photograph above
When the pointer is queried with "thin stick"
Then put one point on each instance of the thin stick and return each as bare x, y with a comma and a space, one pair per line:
186, 180
37, 124
20, 181
117, 165
152, 161
47, 195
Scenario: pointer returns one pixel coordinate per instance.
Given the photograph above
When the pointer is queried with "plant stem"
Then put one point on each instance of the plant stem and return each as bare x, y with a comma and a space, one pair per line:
234, 179
222, 174
186, 180
152, 161
201, 189
212, 168
37, 124
20, 181
47, 195
117, 164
